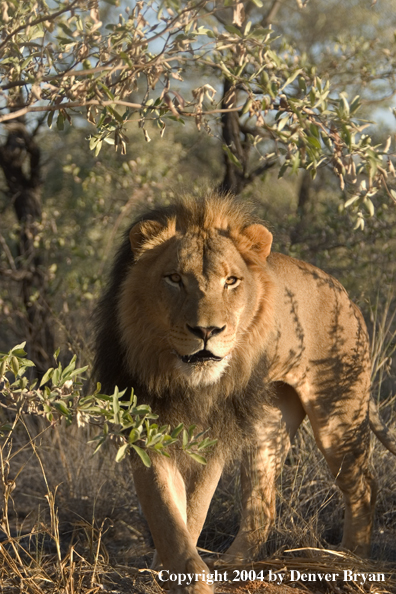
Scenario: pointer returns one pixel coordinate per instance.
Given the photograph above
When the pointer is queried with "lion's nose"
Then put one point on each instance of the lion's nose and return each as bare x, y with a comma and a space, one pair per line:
205, 332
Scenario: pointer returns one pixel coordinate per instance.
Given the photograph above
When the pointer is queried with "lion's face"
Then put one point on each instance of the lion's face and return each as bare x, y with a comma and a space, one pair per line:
190, 299
206, 292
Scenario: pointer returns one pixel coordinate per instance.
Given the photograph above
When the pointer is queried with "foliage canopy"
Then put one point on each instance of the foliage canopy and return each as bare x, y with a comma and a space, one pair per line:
77, 59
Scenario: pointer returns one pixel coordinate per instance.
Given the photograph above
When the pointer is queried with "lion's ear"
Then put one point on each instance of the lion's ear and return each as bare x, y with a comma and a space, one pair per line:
261, 239
143, 232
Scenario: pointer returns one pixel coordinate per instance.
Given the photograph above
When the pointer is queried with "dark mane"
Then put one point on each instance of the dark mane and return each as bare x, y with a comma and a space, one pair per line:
109, 363
111, 368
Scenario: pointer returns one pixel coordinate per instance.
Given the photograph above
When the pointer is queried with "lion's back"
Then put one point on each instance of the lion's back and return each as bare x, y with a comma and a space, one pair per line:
315, 319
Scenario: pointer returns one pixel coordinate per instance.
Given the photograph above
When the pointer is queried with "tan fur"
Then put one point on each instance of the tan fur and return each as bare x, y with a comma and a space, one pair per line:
291, 343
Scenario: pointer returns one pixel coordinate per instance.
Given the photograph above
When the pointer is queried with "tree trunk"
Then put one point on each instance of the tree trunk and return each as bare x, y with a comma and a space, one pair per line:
234, 177
297, 234
20, 161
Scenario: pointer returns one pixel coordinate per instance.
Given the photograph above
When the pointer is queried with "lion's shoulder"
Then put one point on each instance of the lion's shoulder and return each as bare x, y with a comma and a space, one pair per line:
302, 275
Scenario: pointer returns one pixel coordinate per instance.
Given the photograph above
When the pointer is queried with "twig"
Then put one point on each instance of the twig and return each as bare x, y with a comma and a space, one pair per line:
74, 104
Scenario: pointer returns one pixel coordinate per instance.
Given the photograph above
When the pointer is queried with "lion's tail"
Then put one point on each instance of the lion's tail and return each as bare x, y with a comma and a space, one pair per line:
381, 430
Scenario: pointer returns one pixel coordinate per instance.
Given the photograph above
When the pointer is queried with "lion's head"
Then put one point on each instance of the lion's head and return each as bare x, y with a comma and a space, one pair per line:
194, 305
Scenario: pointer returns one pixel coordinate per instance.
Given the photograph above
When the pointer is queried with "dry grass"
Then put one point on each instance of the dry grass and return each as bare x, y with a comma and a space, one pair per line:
71, 523
71, 520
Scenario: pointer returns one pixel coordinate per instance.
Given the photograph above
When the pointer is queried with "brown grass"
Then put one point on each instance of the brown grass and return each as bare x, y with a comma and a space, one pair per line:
71, 523
71, 520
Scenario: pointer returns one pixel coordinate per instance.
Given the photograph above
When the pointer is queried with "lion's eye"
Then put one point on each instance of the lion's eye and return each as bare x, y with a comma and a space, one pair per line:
231, 282
173, 279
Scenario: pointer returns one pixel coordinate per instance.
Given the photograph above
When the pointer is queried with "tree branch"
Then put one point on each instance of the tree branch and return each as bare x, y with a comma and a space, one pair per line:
74, 104
33, 23
270, 16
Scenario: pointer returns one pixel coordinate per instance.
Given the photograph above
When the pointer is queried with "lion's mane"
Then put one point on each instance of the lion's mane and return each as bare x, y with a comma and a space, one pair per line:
228, 406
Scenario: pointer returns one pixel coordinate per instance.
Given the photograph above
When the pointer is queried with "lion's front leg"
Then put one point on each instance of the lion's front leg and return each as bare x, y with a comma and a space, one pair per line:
261, 465
162, 495
201, 486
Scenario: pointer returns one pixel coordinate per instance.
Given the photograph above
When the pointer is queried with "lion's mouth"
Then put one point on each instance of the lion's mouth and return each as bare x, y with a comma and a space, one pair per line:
200, 357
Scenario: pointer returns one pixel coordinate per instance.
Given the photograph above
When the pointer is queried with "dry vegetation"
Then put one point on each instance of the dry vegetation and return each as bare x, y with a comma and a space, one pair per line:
71, 522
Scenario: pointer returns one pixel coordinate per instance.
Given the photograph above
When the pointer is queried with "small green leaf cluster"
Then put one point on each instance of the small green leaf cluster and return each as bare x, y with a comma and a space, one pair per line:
191, 441
59, 397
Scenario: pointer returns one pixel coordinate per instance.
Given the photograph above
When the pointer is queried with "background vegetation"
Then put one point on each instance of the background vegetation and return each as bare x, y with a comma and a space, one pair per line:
106, 110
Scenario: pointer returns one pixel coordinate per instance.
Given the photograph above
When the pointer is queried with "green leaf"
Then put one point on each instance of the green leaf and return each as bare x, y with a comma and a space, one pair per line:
3, 367
65, 29
122, 451
359, 222
314, 130
19, 350
355, 104
176, 432
282, 123
47, 376
197, 457
351, 200
246, 106
70, 367
315, 142
145, 458
101, 442
369, 205
14, 364
50, 118
62, 408
60, 122
344, 105
207, 443
290, 79
295, 163
233, 30
93, 141
191, 430
234, 160
203, 31
78, 371
260, 33
302, 84
107, 91
283, 169
98, 147
134, 435
56, 376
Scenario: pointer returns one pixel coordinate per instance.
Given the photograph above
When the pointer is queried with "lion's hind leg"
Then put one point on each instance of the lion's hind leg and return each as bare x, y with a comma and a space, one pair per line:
343, 438
260, 468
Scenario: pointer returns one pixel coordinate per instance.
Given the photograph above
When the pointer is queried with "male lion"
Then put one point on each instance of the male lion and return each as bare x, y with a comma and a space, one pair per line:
211, 328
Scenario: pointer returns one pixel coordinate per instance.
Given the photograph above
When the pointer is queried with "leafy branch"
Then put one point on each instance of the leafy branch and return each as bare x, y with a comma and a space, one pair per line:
70, 63
59, 397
